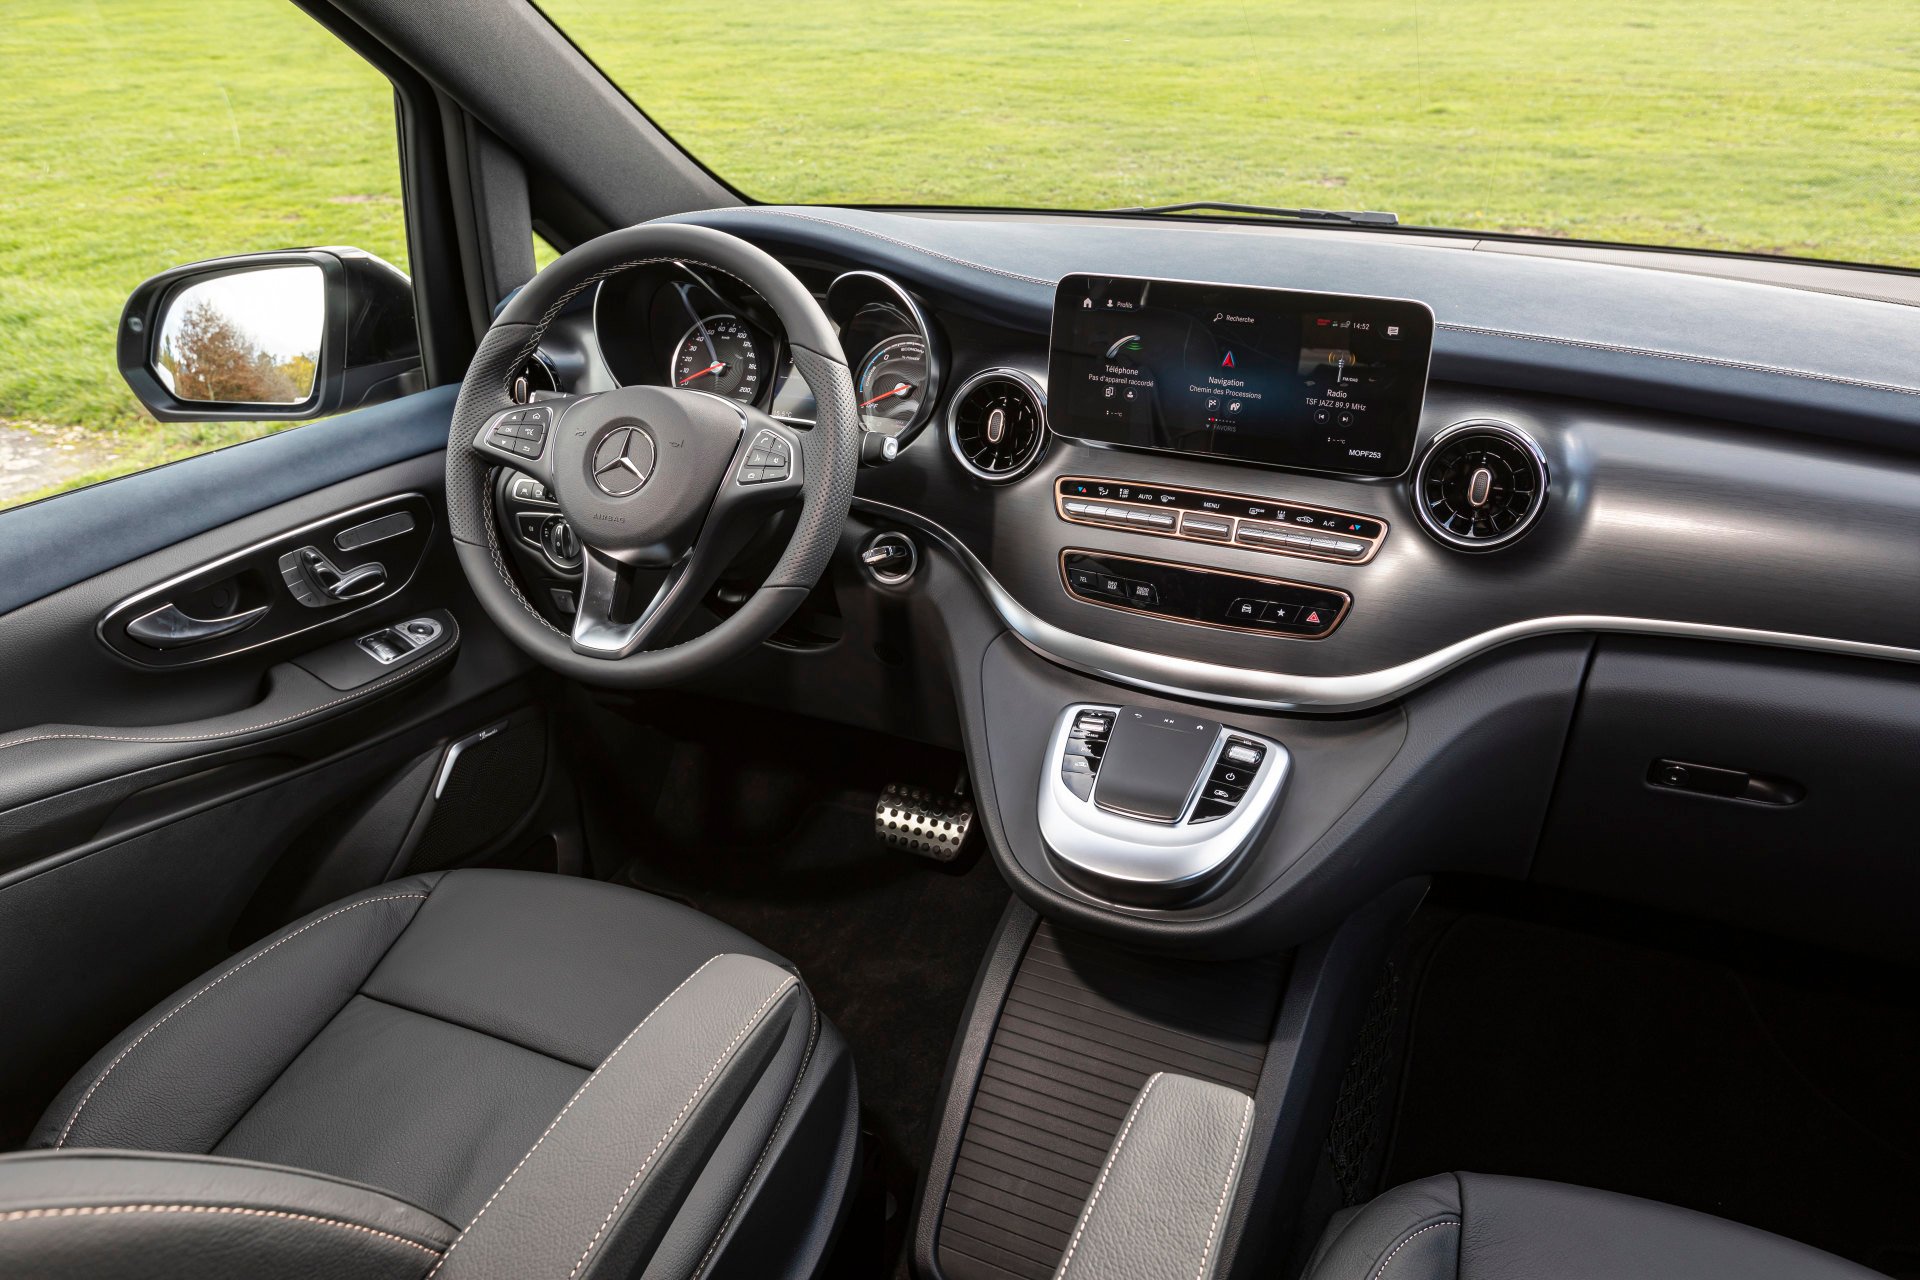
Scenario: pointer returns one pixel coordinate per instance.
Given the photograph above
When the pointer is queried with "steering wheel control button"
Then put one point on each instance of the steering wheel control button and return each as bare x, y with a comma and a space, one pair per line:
1213, 597
768, 459
1260, 524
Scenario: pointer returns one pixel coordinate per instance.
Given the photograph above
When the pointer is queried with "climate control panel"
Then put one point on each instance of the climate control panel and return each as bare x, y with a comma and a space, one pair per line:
1211, 597
1199, 515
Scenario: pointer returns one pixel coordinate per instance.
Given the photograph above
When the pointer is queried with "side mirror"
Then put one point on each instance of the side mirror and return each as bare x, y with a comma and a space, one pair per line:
267, 336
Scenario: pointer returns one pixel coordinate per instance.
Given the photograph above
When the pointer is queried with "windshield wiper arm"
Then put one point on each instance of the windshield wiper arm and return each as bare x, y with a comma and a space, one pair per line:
1362, 217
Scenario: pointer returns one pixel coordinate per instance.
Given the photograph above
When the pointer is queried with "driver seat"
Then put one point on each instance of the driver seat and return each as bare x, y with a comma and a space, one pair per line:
468, 1074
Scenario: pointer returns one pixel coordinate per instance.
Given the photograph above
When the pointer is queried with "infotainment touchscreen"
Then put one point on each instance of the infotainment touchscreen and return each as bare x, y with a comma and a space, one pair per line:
1320, 381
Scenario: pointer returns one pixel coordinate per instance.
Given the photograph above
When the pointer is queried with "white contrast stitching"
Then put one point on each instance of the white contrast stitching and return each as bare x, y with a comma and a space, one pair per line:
787, 983
1220, 1206
1404, 1243
813, 1035
1101, 1185
363, 691
84, 1211
86, 1097
584, 1086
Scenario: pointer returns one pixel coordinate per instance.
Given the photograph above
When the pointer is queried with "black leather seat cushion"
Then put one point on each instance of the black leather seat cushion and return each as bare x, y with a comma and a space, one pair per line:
1466, 1226
419, 1038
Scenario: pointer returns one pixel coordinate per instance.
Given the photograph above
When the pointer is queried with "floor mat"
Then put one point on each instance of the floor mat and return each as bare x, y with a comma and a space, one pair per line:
888, 944
1777, 1099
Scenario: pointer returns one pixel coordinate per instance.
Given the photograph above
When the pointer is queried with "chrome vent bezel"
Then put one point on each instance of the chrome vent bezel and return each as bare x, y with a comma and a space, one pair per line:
1036, 397
1463, 433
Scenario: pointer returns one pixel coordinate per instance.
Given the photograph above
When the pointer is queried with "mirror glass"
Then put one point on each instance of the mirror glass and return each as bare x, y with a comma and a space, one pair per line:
249, 337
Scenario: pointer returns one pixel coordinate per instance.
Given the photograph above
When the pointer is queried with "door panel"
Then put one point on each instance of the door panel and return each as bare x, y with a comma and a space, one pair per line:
154, 818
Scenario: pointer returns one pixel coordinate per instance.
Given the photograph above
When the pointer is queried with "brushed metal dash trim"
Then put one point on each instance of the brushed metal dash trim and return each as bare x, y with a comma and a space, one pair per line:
1193, 679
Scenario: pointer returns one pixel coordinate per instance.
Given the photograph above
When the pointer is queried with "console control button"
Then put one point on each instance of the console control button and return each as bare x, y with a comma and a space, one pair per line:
1263, 524
1212, 596
1211, 810
527, 489
1240, 751
1154, 519
1229, 775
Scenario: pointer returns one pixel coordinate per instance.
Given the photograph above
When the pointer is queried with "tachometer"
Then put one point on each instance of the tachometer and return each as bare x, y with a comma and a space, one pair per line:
893, 385
719, 354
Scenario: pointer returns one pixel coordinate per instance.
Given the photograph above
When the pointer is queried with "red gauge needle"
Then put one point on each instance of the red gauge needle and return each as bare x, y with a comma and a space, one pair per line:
715, 367
899, 390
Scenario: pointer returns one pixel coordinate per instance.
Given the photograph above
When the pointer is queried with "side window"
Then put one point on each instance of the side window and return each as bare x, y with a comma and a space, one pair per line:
147, 136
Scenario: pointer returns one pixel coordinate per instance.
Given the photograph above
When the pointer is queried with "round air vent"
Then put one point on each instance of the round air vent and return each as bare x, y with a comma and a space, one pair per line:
997, 423
1480, 485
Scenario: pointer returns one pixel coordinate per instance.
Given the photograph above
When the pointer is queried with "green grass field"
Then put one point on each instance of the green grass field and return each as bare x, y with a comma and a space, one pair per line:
138, 134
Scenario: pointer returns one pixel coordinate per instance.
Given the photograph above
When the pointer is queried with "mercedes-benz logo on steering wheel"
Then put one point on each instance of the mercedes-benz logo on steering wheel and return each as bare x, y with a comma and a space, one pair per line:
622, 461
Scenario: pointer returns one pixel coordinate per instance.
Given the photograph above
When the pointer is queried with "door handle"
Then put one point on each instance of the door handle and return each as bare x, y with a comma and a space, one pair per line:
169, 628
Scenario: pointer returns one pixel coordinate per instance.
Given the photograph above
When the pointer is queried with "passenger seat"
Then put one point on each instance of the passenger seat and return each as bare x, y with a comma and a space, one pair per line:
1470, 1226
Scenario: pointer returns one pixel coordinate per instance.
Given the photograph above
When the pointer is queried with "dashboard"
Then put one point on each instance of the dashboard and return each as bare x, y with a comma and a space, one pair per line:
1357, 526
1588, 533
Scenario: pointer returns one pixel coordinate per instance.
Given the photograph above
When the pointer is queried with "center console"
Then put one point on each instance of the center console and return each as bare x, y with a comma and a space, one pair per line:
1145, 805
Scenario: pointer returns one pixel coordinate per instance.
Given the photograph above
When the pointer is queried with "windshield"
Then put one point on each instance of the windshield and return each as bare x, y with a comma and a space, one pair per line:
1769, 126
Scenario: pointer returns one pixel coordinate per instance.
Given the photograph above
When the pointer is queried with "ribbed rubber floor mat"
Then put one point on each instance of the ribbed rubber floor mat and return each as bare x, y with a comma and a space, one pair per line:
1084, 1025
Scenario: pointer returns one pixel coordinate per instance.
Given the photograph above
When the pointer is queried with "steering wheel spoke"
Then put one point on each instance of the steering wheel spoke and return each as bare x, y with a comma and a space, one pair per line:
523, 435
615, 616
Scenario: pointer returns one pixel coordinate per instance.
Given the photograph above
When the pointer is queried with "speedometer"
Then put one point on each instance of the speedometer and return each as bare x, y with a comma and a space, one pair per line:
893, 385
719, 354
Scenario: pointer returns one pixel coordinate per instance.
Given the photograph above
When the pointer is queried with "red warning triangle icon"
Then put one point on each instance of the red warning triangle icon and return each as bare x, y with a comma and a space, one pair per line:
1313, 618
1228, 362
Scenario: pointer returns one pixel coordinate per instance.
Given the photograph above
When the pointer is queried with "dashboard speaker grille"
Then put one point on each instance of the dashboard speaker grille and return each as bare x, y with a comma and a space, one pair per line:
997, 424
1480, 486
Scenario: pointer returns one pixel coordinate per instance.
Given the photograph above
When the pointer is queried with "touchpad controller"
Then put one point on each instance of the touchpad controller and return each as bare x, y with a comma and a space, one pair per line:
1148, 806
1153, 761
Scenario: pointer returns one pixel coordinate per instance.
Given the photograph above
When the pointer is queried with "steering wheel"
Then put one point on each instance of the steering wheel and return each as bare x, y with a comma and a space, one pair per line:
652, 478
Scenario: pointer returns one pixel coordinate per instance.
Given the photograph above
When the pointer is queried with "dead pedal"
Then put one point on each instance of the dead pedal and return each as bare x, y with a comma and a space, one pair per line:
921, 820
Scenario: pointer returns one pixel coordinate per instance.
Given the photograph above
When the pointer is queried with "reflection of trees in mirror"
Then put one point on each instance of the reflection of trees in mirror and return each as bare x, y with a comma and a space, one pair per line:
208, 358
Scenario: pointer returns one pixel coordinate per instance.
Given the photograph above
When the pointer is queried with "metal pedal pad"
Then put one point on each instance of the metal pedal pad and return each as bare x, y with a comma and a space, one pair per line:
923, 821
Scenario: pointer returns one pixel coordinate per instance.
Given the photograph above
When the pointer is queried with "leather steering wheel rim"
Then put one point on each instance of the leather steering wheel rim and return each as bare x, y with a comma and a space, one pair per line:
828, 454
